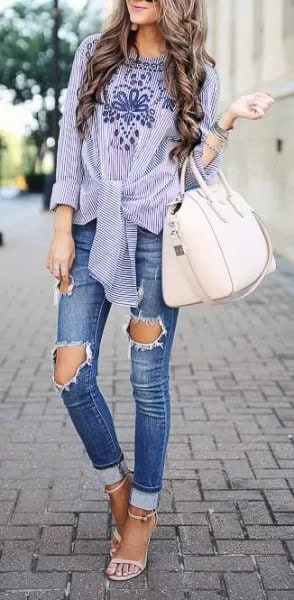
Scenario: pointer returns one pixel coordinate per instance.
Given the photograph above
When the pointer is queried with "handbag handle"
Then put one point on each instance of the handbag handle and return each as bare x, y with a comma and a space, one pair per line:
203, 185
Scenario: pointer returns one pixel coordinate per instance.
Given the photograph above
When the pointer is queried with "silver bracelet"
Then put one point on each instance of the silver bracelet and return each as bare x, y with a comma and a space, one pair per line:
219, 136
216, 150
219, 131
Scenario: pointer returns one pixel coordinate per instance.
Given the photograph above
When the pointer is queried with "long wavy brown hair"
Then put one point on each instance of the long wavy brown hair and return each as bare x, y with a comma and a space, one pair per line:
183, 24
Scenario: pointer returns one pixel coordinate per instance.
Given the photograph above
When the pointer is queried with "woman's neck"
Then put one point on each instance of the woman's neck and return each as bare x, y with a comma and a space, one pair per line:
150, 41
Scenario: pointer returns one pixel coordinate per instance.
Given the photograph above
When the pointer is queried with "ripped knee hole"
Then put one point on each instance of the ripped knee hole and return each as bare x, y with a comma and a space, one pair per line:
144, 333
67, 361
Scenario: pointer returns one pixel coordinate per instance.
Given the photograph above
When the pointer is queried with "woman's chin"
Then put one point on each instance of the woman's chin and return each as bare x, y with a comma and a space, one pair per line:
140, 20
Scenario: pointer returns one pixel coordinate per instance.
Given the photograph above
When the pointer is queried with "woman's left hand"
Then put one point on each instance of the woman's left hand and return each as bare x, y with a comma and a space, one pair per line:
251, 106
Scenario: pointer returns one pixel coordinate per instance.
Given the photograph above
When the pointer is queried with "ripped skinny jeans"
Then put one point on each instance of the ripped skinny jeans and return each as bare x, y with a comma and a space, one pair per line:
82, 315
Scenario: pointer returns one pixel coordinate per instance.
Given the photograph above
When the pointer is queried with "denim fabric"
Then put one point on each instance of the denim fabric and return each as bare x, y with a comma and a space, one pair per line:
82, 315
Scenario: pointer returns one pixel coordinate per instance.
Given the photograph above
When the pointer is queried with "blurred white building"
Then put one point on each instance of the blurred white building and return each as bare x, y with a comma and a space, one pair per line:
252, 42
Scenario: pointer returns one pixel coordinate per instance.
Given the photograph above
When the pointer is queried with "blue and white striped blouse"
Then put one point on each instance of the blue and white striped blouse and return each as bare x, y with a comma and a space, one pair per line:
122, 175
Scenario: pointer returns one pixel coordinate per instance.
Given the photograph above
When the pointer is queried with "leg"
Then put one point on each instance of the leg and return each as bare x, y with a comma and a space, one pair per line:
82, 314
75, 358
151, 342
151, 330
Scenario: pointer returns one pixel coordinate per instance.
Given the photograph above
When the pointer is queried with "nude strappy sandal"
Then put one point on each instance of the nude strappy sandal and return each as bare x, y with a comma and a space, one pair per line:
108, 493
138, 563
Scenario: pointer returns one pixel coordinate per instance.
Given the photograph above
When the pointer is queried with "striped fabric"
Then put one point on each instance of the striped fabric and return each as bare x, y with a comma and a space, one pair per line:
122, 174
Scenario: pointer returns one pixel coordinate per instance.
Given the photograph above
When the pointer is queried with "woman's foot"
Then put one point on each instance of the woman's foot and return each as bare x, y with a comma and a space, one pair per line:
119, 495
134, 544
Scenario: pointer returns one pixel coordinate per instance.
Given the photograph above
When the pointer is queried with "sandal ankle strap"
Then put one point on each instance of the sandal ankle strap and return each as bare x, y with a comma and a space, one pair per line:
143, 517
118, 486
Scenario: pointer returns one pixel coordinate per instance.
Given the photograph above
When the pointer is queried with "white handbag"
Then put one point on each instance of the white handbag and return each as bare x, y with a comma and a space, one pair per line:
216, 249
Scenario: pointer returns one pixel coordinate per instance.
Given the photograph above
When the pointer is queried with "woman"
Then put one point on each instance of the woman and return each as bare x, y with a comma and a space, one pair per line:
140, 97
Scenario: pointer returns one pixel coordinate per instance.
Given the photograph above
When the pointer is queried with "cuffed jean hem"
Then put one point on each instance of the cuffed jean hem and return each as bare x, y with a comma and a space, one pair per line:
113, 474
145, 500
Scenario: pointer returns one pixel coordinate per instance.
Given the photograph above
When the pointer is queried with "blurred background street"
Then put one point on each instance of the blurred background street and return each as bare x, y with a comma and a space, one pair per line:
226, 520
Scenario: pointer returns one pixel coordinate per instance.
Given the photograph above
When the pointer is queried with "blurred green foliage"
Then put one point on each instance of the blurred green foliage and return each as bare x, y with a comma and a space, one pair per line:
26, 52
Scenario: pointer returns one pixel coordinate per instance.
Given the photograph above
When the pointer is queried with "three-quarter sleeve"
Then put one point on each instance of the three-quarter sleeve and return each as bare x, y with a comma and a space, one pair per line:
66, 189
209, 97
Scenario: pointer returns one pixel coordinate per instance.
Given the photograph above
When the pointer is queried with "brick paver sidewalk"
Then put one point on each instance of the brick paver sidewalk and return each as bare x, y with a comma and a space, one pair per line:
227, 512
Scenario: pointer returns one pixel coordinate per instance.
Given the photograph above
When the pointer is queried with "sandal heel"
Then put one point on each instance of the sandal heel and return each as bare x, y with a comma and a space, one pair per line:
109, 493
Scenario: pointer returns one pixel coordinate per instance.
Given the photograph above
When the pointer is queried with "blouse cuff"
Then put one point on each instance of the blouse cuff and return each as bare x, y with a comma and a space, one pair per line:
65, 191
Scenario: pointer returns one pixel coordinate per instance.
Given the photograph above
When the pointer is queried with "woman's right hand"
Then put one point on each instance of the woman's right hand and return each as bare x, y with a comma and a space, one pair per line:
61, 252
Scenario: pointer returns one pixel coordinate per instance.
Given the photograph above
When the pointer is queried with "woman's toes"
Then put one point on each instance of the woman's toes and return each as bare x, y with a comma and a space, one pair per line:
122, 570
132, 569
117, 570
111, 568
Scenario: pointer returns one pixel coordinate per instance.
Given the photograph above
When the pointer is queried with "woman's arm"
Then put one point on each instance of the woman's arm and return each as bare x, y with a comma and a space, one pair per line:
207, 160
208, 156
61, 251
69, 173
66, 189
249, 106
215, 145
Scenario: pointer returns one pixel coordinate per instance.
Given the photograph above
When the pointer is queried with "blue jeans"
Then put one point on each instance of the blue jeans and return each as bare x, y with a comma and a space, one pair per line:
82, 315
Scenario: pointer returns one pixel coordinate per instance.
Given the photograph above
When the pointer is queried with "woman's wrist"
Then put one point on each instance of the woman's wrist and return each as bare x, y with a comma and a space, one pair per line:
227, 119
63, 219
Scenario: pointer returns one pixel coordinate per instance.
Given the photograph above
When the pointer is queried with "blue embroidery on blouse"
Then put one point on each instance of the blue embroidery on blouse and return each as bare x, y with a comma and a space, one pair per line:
169, 103
132, 105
